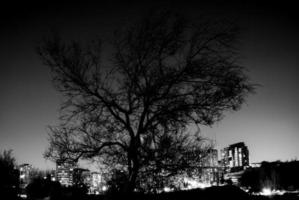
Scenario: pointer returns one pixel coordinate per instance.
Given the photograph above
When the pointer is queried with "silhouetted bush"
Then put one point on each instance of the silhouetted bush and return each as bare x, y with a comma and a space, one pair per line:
274, 175
9, 176
41, 188
78, 191
250, 178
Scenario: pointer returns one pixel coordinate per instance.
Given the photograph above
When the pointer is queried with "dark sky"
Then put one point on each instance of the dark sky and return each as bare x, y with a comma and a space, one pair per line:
268, 123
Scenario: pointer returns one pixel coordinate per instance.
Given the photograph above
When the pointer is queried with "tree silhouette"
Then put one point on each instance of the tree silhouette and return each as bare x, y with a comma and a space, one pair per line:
166, 74
41, 187
9, 181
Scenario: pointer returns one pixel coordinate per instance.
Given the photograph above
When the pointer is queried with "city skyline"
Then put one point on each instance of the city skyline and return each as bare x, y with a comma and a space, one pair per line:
267, 123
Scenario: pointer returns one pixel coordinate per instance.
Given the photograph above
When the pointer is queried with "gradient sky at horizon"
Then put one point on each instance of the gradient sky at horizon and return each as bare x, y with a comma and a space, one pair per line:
268, 123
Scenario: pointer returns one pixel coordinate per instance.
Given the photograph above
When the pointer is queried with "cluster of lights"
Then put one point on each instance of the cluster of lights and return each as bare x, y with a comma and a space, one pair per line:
23, 196
269, 192
266, 192
191, 184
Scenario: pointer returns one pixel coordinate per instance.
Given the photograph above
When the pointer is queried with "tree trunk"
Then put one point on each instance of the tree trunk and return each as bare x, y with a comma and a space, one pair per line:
133, 168
132, 181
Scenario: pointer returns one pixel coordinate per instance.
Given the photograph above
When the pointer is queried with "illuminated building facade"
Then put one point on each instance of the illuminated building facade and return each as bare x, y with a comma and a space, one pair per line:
235, 157
96, 183
24, 177
64, 173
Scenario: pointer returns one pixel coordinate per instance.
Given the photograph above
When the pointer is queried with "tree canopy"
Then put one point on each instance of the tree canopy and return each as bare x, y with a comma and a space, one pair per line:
165, 75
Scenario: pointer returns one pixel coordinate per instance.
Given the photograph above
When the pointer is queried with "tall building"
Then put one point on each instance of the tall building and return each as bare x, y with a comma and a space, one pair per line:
64, 172
235, 157
24, 177
96, 183
209, 174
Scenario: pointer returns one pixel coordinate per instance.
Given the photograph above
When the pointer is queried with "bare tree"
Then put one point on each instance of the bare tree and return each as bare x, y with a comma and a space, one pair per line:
167, 74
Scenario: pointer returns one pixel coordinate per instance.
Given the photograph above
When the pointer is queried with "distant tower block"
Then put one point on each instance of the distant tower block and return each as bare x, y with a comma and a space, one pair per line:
235, 157
25, 170
64, 173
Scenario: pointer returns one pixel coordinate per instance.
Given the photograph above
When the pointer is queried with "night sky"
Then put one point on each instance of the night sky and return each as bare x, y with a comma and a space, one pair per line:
268, 123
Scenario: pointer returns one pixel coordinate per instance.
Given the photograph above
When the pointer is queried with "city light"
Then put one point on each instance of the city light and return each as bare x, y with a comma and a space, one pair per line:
167, 189
266, 192
104, 188
269, 192
23, 196
192, 184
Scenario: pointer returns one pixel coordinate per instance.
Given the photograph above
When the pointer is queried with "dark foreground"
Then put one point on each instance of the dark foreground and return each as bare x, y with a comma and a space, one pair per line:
212, 193
225, 192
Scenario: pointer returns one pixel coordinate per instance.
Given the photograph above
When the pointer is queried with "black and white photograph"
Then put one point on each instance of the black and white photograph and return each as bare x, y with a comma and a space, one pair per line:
149, 100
